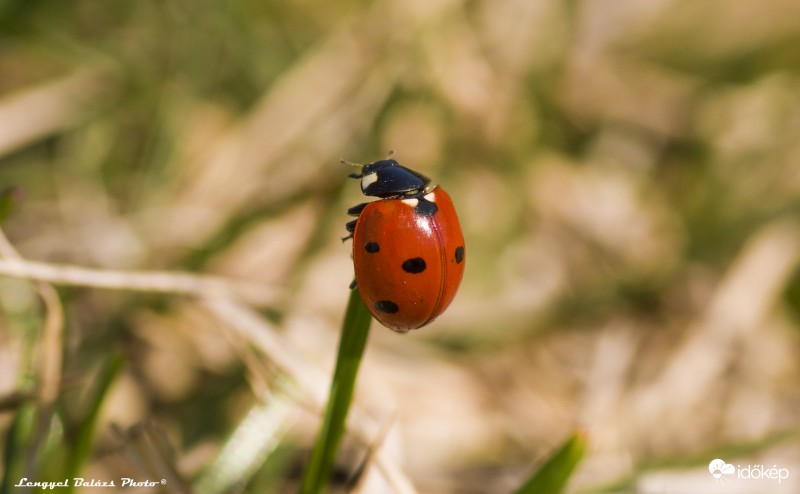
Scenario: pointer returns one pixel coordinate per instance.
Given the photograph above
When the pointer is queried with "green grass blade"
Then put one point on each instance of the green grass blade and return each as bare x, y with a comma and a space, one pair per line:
355, 331
82, 445
14, 448
248, 447
553, 475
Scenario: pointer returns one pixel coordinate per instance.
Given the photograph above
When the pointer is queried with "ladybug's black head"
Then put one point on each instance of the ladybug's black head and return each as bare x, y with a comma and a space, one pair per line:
387, 178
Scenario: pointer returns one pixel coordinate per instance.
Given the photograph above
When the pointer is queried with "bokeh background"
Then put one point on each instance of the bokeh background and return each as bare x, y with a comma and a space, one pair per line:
627, 175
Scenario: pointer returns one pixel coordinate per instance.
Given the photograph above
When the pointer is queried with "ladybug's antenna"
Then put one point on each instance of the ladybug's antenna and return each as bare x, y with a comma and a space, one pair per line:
391, 153
349, 163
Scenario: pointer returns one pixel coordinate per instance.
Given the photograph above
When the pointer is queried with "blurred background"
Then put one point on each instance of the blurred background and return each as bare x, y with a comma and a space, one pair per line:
627, 175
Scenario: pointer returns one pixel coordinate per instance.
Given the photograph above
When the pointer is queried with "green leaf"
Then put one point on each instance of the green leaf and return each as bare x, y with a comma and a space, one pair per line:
352, 342
553, 475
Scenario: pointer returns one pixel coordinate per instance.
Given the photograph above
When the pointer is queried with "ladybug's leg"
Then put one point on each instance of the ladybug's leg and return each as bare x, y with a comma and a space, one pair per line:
351, 228
351, 225
356, 210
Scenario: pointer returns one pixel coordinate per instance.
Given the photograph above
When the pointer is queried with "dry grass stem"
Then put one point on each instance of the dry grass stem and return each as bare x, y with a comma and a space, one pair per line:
146, 281
146, 447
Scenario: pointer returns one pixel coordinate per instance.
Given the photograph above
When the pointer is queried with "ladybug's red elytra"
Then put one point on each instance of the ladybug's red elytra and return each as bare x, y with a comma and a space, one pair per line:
408, 248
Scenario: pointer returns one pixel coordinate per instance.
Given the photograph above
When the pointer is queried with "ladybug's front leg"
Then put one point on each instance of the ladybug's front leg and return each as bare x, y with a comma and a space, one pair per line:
356, 210
351, 225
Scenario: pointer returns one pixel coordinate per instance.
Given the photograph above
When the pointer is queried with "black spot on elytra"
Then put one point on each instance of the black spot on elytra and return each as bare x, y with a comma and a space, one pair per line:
425, 207
414, 265
372, 247
386, 306
459, 254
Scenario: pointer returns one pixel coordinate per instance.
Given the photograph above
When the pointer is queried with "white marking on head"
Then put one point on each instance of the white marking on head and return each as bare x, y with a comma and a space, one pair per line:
430, 196
411, 202
368, 180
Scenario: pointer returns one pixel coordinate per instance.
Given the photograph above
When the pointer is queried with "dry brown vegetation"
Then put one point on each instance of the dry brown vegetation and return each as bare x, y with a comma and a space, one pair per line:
627, 176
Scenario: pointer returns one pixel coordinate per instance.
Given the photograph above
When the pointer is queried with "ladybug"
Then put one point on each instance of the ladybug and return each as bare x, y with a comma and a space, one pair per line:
408, 248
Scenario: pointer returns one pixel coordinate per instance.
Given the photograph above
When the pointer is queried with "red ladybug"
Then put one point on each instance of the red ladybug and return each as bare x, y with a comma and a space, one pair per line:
408, 249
